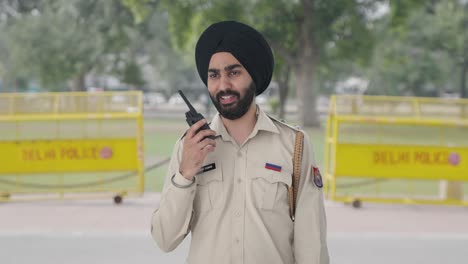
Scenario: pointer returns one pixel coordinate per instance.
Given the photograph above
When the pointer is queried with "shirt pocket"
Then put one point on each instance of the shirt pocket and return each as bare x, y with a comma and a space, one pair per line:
270, 189
209, 190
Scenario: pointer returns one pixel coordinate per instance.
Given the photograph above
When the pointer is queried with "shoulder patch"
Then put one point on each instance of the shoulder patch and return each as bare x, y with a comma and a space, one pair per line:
295, 128
317, 177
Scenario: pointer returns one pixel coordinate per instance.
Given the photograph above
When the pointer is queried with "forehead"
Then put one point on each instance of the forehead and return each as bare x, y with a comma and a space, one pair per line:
220, 60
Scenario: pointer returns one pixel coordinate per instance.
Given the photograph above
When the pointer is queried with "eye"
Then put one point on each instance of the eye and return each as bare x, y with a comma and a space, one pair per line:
234, 73
213, 75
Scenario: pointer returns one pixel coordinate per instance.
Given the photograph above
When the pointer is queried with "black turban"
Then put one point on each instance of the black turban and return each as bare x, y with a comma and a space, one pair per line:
246, 44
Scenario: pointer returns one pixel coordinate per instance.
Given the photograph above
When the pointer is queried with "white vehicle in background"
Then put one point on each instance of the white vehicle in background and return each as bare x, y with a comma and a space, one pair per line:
176, 99
154, 99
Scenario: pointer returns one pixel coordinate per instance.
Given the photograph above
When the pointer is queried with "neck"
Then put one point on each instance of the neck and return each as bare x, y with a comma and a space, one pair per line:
241, 128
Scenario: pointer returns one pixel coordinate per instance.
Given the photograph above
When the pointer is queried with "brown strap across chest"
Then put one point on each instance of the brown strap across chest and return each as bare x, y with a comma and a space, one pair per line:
298, 148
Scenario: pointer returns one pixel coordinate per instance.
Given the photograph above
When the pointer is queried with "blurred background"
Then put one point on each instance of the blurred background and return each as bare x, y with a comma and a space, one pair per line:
102, 54
416, 48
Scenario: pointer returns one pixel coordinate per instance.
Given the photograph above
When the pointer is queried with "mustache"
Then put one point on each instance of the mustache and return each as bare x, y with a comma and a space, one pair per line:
224, 93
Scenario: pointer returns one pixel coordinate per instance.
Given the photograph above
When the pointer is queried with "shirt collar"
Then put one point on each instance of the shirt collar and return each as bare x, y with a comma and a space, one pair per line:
217, 125
263, 123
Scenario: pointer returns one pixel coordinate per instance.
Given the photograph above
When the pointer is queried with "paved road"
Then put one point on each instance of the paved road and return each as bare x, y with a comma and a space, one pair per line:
59, 248
96, 231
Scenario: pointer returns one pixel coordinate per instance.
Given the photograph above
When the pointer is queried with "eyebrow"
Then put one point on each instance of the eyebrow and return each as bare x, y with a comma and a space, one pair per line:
227, 68
231, 67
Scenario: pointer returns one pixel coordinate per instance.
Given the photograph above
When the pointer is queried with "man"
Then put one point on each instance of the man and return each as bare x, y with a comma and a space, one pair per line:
231, 192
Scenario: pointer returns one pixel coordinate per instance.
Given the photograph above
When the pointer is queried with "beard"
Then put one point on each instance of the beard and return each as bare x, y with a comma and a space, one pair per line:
238, 109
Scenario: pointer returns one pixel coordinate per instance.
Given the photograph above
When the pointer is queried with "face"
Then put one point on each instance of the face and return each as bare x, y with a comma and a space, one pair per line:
231, 88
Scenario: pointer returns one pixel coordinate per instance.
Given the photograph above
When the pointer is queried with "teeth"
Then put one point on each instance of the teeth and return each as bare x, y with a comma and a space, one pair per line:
226, 97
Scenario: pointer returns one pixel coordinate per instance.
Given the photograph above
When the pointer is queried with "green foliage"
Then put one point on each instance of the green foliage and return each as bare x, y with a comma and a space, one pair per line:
140, 9
53, 54
401, 10
274, 104
420, 55
416, 47
331, 30
187, 19
64, 40
172, 70
132, 75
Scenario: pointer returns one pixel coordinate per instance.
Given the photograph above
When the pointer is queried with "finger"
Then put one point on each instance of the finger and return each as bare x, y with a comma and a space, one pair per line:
207, 141
207, 149
193, 129
204, 133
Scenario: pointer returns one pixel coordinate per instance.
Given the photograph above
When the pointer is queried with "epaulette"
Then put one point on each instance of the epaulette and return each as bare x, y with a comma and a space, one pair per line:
295, 128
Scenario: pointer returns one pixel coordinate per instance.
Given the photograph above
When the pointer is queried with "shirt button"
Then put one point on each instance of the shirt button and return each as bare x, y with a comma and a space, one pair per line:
239, 154
237, 240
239, 180
238, 214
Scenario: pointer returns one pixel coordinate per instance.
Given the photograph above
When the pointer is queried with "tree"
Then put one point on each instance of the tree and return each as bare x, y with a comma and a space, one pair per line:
9, 11
63, 40
305, 34
450, 35
173, 70
423, 52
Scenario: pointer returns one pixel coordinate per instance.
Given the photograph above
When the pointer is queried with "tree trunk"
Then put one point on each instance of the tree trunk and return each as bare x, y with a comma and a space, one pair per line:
306, 98
283, 86
16, 85
79, 83
307, 59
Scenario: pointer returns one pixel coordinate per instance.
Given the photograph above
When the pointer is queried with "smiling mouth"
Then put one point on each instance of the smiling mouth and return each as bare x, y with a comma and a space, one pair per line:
227, 99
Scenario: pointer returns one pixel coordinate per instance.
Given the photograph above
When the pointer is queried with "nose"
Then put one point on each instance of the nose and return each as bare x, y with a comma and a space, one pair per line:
224, 83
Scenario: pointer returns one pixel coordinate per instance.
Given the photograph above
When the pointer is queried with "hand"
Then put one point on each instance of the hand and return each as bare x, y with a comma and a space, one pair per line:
195, 149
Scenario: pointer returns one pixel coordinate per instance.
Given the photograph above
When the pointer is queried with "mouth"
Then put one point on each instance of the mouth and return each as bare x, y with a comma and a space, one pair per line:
227, 99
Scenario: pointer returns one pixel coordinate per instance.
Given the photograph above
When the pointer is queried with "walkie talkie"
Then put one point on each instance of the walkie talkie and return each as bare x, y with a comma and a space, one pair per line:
193, 116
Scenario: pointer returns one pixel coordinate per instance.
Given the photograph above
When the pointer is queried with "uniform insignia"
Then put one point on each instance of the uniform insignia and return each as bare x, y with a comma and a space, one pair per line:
317, 177
207, 167
274, 167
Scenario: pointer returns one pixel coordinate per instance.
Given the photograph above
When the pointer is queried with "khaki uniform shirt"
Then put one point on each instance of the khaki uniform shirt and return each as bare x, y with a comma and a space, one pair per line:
238, 210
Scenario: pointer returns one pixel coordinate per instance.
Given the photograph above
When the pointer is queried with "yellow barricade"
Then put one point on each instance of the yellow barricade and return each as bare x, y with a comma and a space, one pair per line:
397, 150
71, 145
